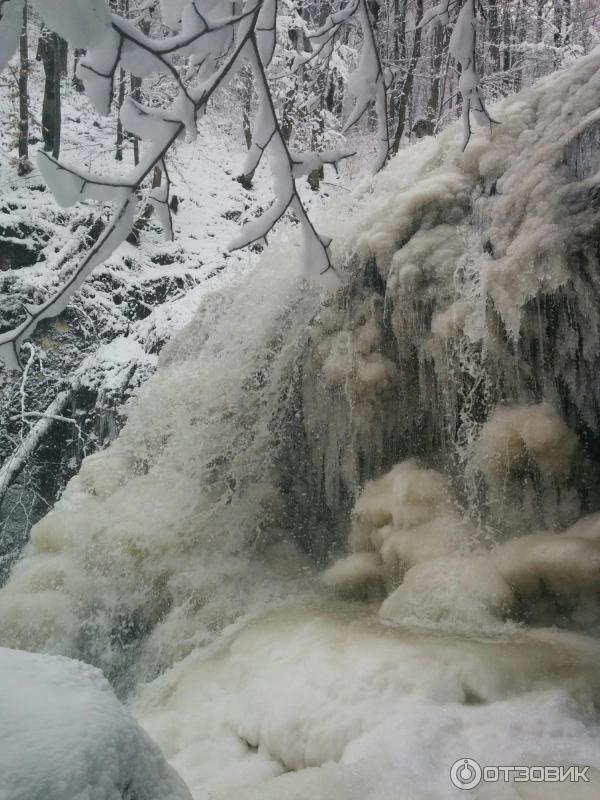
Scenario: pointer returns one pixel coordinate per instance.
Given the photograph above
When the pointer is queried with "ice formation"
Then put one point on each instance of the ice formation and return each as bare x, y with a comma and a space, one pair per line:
514, 435
351, 707
423, 443
403, 518
146, 537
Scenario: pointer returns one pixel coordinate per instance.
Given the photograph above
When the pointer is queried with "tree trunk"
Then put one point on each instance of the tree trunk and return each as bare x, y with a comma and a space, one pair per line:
494, 36
24, 165
540, 21
558, 32
439, 44
246, 81
77, 82
136, 94
407, 87
120, 99
51, 51
398, 35
519, 37
506, 46
15, 463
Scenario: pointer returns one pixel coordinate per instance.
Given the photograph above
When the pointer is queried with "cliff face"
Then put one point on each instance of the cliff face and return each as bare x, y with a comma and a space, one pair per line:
475, 285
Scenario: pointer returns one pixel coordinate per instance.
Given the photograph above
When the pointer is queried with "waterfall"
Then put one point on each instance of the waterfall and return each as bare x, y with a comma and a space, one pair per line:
350, 536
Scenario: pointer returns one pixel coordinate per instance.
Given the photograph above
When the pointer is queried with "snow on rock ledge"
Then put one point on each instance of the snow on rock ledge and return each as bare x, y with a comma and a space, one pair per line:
65, 736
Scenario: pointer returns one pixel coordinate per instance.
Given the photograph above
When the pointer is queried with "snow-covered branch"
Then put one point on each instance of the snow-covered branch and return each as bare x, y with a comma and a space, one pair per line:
209, 42
463, 50
15, 463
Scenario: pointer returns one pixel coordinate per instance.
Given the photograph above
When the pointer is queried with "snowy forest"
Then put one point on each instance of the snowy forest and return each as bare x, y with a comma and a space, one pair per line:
299, 399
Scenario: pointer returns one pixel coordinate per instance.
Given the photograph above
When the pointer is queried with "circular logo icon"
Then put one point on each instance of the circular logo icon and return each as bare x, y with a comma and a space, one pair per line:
465, 773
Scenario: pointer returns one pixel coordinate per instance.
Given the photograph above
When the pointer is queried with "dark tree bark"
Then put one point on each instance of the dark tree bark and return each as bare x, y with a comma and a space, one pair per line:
520, 33
289, 101
539, 30
406, 89
136, 94
122, 6
24, 165
51, 51
120, 100
439, 44
247, 91
77, 82
559, 26
507, 41
494, 34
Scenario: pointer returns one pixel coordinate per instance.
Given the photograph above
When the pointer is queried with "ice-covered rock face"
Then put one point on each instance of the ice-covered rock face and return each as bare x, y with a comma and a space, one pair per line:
465, 338
411, 541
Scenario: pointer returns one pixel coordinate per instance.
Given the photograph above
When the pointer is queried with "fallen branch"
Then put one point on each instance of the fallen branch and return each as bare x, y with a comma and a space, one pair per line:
11, 468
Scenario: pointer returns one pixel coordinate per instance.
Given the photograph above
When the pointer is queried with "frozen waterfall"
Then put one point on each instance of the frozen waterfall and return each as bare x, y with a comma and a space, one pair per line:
347, 538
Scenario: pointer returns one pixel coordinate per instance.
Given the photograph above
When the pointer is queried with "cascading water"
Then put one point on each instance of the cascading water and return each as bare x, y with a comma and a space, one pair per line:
429, 433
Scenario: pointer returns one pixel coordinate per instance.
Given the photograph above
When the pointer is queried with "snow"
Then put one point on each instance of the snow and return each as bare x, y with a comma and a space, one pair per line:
83, 23
171, 12
149, 124
433, 194
308, 702
65, 736
11, 21
366, 84
206, 41
70, 185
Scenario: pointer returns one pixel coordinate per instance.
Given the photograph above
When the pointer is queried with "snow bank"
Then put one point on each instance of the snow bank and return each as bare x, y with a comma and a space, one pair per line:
65, 736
